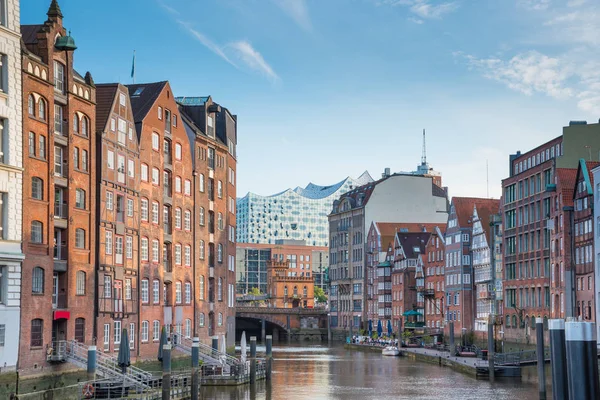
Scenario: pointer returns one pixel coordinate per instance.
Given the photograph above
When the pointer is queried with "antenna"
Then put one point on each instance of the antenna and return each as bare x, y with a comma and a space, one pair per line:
424, 155
487, 179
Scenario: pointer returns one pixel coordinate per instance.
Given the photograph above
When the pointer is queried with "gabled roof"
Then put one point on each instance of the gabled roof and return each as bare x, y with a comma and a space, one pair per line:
142, 97
29, 33
565, 184
485, 210
464, 207
391, 228
105, 100
583, 172
412, 241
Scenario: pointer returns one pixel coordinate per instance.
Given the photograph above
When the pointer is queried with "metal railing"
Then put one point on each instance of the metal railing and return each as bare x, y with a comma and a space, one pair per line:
230, 365
60, 252
61, 210
519, 357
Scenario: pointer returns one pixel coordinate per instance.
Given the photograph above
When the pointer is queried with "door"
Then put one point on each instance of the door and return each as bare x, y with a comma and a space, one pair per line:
118, 298
59, 330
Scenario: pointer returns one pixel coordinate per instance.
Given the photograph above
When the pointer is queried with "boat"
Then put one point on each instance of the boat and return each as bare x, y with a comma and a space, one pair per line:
390, 351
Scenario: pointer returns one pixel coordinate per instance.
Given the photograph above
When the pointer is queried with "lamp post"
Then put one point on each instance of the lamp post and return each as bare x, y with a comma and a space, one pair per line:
502, 338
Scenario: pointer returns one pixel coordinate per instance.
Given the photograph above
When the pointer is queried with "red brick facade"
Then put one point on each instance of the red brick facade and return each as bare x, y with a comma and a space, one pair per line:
434, 263
58, 197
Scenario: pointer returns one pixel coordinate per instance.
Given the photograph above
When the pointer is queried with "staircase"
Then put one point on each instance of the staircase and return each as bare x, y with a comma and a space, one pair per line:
208, 355
106, 365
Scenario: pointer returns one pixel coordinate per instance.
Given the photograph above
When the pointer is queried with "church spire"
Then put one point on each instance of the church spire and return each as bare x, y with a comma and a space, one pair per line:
54, 11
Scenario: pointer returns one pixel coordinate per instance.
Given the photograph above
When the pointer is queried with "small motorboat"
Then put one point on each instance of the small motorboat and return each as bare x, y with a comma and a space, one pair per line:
390, 351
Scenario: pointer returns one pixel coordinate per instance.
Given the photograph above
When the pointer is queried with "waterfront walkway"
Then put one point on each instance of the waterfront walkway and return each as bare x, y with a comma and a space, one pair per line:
472, 362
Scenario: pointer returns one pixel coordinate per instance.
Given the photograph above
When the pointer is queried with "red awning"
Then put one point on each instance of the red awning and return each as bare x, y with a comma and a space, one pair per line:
62, 315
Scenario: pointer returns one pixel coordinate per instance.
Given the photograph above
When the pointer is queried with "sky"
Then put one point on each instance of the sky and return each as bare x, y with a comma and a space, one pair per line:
325, 89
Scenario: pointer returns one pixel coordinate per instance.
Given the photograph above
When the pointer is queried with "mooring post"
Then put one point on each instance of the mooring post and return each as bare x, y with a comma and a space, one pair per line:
582, 360
492, 372
263, 330
166, 372
329, 337
195, 362
289, 330
91, 363
269, 360
451, 348
541, 360
252, 359
558, 359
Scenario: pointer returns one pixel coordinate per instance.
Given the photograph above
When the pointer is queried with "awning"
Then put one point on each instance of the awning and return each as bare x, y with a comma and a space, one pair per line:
411, 312
62, 315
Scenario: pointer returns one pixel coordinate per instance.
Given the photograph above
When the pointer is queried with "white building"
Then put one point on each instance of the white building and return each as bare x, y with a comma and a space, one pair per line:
294, 214
11, 188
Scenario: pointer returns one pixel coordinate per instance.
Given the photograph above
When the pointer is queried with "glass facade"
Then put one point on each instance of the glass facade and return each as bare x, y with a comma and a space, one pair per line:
252, 270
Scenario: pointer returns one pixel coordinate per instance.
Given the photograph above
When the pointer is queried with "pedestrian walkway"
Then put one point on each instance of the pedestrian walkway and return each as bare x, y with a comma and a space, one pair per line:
468, 361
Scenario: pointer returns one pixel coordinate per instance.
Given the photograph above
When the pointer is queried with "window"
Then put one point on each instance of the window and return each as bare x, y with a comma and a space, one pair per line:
178, 218
108, 242
58, 119
144, 209
31, 105
155, 212
188, 328
201, 217
37, 190
37, 281
107, 287
131, 168
220, 189
220, 320
188, 188
42, 147
79, 238
187, 222
160, 113
59, 76
122, 131
144, 290
231, 176
155, 291
110, 159
201, 185
144, 249
155, 330
155, 251
211, 156
80, 330
188, 293
80, 199
155, 140
117, 332
84, 160
129, 247
178, 184
119, 249
144, 332
128, 289
32, 144
178, 254
37, 333
36, 232
178, 151
188, 256
220, 253
201, 319
130, 207
155, 177
178, 292
220, 289
201, 287
202, 249
76, 157
131, 335
144, 172
75, 123
42, 109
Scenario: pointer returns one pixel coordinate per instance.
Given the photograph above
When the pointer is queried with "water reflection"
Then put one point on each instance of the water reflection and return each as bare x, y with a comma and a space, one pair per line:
318, 372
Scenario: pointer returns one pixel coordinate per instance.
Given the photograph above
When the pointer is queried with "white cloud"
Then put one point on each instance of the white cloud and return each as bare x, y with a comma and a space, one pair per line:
209, 44
576, 3
253, 59
423, 8
536, 5
416, 20
167, 7
297, 10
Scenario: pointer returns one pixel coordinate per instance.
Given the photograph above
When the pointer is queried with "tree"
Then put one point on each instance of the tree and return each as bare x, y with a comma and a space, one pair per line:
320, 296
256, 292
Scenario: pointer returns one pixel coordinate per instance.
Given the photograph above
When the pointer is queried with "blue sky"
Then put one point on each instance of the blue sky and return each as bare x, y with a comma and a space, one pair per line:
324, 89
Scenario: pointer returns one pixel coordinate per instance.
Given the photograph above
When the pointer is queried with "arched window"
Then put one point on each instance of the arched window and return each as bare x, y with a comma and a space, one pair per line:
220, 253
75, 123
80, 330
305, 292
79, 238
201, 288
201, 319
80, 283
514, 321
36, 231
85, 126
80, 198
37, 333
508, 321
42, 109
220, 322
31, 105
37, 281
295, 290
220, 289
285, 291
37, 190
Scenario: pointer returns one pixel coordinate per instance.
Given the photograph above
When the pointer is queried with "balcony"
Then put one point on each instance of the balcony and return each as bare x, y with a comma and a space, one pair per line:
60, 215
413, 325
59, 301
168, 194
168, 157
60, 258
168, 231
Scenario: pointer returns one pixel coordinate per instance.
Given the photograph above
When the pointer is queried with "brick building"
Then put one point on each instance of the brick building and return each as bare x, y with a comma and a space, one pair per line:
583, 222
166, 206
117, 165
11, 183
434, 282
212, 134
286, 288
58, 192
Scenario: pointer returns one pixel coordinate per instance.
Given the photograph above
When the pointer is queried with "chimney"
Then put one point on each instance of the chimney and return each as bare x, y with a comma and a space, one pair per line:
386, 173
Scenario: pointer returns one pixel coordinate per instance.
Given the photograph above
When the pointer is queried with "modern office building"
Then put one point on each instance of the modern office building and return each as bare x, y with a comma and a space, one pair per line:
296, 214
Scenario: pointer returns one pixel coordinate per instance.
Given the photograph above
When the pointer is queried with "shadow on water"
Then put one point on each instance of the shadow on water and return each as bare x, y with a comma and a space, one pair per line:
320, 372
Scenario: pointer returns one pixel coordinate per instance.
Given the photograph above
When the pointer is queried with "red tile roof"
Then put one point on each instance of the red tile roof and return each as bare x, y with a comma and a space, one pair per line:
390, 228
464, 208
485, 210
565, 184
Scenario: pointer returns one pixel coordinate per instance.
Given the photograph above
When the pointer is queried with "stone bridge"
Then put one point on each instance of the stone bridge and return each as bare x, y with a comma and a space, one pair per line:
282, 323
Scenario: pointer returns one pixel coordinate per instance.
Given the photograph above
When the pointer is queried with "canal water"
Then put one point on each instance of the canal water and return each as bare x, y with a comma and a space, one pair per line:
321, 372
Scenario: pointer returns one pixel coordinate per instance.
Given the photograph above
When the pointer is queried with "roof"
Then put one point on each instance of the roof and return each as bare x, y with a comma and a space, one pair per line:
29, 33
583, 171
485, 210
413, 241
105, 98
464, 206
565, 179
142, 97
390, 228
192, 101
